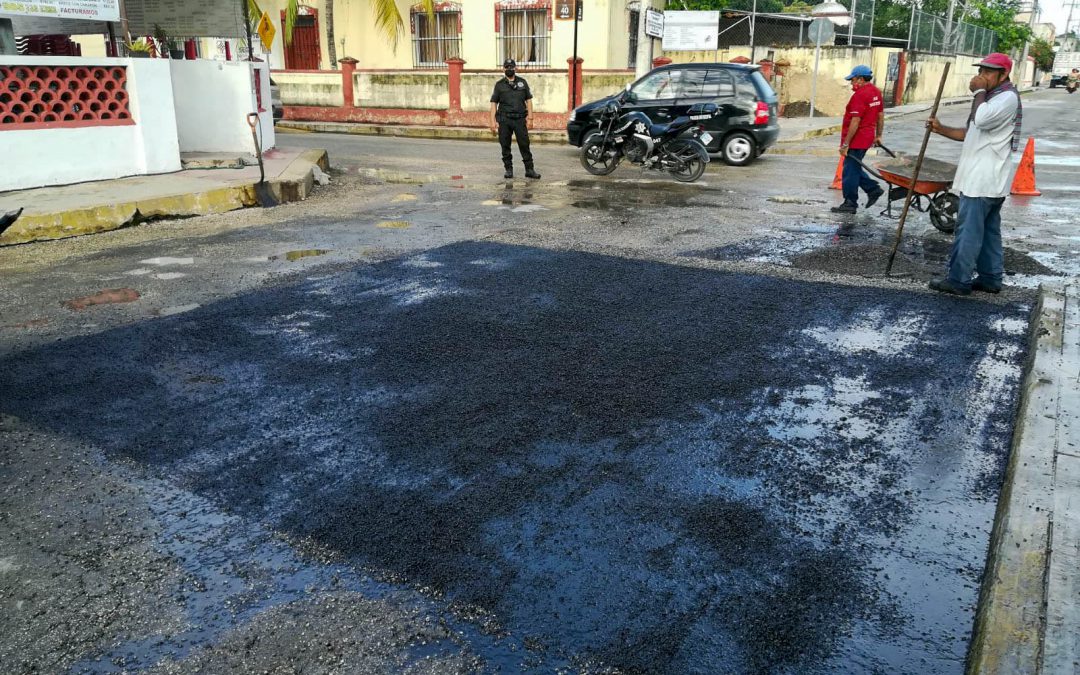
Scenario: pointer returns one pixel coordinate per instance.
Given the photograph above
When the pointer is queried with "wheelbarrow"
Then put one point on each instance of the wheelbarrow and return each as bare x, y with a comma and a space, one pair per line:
931, 190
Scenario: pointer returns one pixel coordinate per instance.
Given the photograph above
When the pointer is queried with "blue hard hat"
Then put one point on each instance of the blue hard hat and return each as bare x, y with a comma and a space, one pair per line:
860, 71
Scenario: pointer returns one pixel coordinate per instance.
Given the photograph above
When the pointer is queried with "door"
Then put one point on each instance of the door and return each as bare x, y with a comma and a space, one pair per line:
655, 95
305, 52
716, 85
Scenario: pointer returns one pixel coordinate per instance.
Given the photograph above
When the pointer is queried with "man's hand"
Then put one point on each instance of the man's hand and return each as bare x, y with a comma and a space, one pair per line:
934, 125
978, 82
494, 127
877, 140
843, 151
529, 122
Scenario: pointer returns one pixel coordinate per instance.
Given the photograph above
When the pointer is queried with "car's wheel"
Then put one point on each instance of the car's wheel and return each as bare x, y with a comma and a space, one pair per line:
738, 149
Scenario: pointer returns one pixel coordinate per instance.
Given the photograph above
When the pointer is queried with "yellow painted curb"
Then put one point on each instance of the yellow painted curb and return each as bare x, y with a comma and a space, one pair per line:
63, 224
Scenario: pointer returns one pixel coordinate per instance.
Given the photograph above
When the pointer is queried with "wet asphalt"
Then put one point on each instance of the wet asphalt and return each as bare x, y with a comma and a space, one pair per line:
435, 422
620, 464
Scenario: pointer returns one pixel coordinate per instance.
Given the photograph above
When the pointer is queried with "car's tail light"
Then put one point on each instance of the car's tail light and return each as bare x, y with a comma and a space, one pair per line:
761, 113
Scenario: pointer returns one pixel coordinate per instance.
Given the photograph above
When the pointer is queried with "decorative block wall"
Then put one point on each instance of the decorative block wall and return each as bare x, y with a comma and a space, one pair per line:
34, 97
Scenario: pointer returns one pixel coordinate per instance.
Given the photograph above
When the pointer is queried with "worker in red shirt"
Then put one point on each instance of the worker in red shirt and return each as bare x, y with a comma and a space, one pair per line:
863, 125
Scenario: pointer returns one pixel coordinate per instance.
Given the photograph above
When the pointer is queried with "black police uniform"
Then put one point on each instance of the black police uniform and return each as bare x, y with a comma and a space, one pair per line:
510, 114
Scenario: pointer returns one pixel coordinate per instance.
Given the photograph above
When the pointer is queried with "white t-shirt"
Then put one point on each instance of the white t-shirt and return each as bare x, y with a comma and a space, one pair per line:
984, 168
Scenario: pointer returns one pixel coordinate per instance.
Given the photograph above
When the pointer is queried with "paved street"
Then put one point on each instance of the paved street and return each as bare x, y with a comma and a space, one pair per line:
430, 421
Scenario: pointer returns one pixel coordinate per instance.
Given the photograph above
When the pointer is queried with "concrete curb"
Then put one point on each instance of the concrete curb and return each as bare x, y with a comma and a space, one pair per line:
407, 131
1037, 526
294, 184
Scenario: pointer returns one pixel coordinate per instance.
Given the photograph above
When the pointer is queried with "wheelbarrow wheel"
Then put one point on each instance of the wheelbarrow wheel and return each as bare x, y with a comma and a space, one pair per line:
944, 209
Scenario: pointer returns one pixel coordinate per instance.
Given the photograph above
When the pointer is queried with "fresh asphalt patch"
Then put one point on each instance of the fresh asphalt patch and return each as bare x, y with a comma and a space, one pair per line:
571, 459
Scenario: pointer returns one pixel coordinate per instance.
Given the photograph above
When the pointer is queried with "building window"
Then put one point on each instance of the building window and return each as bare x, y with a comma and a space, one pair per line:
635, 16
525, 36
435, 38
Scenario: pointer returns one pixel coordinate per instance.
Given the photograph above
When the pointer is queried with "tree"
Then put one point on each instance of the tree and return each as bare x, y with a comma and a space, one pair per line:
1000, 17
1043, 52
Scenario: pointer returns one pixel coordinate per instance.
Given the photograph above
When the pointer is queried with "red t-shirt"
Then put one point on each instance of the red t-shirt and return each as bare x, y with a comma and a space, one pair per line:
865, 104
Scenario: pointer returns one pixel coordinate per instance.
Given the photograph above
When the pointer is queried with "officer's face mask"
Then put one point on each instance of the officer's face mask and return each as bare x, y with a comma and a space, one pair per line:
509, 72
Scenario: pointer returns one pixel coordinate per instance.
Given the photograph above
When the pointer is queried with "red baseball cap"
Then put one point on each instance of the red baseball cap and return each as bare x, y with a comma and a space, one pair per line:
996, 60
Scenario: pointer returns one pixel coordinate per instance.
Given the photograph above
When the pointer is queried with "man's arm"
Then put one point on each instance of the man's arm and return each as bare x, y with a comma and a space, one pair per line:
853, 128
880, 128
494, 124
996, 112
529, 115
955, 133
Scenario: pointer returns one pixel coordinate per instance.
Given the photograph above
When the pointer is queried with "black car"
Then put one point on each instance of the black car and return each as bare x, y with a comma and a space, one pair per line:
747, 121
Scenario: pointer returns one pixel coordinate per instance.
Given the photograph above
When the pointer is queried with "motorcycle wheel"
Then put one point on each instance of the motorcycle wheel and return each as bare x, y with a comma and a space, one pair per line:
692, 166
596, 160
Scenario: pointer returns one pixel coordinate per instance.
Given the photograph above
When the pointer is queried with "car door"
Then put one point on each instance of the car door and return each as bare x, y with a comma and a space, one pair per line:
712, 85
655, 95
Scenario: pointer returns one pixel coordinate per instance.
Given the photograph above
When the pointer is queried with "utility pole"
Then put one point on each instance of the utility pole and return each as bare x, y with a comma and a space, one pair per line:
949, 24
1027, 43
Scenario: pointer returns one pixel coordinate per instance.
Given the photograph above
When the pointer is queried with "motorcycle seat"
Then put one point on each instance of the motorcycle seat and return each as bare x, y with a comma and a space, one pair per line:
658, 130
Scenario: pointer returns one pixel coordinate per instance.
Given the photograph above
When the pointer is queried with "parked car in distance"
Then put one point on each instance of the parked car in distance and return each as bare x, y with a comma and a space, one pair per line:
746, 124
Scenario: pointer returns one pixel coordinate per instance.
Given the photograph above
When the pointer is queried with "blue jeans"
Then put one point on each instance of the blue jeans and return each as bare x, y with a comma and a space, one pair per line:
977, 247
854, 178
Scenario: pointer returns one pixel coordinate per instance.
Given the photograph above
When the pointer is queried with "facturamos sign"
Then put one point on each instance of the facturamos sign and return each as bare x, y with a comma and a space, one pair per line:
91, 10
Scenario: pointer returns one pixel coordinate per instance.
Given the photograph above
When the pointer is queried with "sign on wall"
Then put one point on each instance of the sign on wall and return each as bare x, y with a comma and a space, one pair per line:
91, 10
690, 31
564, 9
654, 23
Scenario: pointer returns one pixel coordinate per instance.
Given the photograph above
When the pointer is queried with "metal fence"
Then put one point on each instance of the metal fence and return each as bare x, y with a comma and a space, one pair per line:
935, 34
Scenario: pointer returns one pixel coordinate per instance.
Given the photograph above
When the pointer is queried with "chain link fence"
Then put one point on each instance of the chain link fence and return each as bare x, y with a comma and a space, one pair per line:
935, 34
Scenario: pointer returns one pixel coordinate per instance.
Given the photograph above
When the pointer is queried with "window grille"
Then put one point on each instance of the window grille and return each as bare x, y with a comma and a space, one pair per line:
525, 37
435, 39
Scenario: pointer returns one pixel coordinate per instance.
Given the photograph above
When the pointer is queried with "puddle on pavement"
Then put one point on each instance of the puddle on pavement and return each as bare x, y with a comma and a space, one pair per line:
858, 250
293, 256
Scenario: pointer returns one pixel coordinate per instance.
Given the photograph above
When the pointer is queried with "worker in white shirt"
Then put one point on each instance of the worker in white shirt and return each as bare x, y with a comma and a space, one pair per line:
992, 133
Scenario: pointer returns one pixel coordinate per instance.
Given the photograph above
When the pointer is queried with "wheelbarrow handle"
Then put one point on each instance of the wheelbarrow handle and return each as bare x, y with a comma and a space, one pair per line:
888, 152
869, 169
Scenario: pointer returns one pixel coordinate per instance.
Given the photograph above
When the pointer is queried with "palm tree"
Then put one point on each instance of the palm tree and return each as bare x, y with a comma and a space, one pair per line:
387, 18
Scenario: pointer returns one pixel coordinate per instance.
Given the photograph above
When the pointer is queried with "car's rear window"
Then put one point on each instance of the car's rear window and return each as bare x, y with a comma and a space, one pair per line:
761, 86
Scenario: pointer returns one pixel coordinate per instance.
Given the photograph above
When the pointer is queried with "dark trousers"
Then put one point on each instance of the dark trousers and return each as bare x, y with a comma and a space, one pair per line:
854, 178
515, 127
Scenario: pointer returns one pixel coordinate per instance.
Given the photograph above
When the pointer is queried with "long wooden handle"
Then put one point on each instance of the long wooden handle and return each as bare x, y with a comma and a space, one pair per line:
918, 168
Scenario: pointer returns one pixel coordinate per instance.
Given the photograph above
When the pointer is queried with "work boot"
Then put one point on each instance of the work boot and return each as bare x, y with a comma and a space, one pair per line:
872, 197
845, 208
984, 286
508, 174
946, 286
531, 173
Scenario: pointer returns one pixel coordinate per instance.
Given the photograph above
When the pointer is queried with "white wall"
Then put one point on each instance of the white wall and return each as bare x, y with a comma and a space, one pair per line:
39, 157
213, 99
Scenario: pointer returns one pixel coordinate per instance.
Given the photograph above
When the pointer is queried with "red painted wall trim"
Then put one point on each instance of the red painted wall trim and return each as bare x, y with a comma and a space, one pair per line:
405, 117
315, 72
76, 124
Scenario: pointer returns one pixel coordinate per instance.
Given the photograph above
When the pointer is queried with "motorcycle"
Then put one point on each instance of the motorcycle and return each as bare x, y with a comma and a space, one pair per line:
677, 147
1071, 86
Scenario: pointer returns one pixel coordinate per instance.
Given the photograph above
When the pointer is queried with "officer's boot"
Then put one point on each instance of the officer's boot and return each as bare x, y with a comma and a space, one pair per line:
530, 172
509, 172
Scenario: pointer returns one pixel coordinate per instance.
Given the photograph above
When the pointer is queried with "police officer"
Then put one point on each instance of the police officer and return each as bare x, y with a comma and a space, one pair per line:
511, 115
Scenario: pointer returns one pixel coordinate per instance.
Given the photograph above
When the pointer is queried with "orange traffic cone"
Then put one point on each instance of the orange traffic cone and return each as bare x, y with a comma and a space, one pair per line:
838, 179
1024, 182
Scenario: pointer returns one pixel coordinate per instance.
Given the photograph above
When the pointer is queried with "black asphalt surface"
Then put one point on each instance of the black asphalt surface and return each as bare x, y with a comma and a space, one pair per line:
582, 461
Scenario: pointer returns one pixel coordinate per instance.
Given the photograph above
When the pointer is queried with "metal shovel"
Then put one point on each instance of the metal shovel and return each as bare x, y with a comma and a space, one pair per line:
262, 188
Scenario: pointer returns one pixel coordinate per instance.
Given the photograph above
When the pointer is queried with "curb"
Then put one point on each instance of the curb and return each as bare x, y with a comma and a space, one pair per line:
407, 131
1034, 528
294, 184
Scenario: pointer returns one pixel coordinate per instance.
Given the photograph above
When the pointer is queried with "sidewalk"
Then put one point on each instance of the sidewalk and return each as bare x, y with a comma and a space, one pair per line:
1029, 609
86, 208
